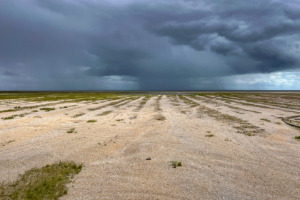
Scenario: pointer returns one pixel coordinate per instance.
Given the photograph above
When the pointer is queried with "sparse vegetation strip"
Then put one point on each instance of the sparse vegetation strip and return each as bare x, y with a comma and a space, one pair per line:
71, 130
79, 115
47, 109
265, 101
211, 99
109, 104
92, 121
156, 105
142, 103
126, 102
242, 126
266, 120
105, 113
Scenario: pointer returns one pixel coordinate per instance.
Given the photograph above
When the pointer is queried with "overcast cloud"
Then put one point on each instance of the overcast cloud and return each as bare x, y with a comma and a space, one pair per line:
149, 45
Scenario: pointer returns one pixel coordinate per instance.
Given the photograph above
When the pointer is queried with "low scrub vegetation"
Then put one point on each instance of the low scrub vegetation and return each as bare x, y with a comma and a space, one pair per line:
48, 182
63, 107
266, 120
176, 164
105, 113
91, 121
47, 109
71, 130
10, 117
210, 135
79, 115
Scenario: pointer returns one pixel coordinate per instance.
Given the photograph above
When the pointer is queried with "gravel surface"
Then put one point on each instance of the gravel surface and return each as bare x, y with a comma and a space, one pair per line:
115, 148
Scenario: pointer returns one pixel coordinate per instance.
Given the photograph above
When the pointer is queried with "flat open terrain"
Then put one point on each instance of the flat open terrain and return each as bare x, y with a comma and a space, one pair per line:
231, 145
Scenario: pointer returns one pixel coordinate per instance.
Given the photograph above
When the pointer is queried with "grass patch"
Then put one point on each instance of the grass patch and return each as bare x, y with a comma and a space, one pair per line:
297, 137
176, 164
91, 121
211, 135
278, 123
10, 141
266, 120
10, 117
47, 109
105, 113
78, 115
35, 111
119, 120
3, 144
48, 182
71, 130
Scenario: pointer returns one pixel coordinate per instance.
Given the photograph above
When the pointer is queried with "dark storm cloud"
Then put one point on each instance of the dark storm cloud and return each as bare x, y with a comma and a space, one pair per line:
7, 73
146, 44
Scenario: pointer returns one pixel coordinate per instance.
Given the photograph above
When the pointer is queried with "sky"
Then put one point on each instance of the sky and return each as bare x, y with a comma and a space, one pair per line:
149, 45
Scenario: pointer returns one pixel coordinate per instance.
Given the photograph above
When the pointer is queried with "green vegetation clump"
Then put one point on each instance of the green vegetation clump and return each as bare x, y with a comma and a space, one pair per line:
47, 109
105, 113
91, 121
10, 117
63, 107
176, 164
79, 115
71, 130
266, 120
211, 135
297, 137
119, 120
48, 182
